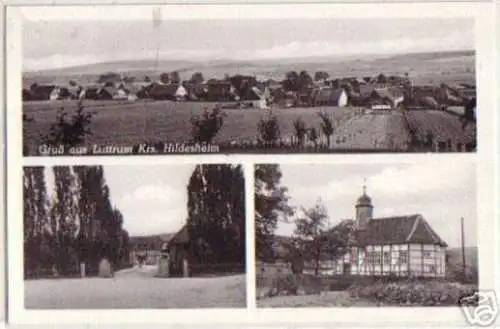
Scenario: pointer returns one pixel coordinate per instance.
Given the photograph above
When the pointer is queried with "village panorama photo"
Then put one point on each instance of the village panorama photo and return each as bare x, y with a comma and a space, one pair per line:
134, 237
356, 235
170, 86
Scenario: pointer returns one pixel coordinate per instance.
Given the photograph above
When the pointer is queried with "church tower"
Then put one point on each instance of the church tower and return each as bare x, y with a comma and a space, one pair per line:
364, 209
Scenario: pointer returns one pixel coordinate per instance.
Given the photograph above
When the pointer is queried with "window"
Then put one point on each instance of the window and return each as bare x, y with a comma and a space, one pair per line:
403, 257
427, 254
431, 269
377, 255
387, 257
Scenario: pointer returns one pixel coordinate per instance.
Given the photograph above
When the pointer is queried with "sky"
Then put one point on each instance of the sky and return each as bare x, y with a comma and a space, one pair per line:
56, 44
152, 199
441, 190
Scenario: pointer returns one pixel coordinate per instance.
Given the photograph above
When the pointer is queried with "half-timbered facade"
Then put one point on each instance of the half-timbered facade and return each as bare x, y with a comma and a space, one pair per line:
391, 246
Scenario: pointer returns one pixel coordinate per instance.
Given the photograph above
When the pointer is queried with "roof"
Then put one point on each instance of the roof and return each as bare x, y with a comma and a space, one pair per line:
181, 237
364, 200
398, 230
163, 90
327, 94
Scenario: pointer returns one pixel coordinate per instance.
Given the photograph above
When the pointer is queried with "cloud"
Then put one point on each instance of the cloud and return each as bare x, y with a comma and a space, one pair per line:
454, 41
152, 193
441, 189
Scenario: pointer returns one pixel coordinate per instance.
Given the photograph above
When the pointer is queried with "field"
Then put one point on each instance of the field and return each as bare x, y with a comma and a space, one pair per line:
136, 288
443, 126
123, 123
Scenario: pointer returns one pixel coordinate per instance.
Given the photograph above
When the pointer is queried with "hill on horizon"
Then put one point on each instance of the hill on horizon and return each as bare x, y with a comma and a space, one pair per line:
460, 62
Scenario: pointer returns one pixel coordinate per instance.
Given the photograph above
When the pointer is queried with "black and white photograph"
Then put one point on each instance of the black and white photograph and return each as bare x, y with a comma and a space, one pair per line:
132, 237
358, 235
173, 86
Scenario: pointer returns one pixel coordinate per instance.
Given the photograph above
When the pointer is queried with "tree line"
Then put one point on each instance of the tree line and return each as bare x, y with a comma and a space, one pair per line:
216, 216
314, 238
73, 224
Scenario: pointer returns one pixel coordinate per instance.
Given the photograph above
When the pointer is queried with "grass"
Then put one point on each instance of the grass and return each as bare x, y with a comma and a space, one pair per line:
327, 299
121, 123
137, 288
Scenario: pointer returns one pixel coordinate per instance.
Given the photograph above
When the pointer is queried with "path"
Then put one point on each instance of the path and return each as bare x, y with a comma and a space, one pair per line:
136, 288
326, 299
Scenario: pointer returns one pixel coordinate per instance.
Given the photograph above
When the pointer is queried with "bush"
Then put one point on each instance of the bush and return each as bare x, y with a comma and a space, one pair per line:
269, 129
207, 126
70, 133
412, 292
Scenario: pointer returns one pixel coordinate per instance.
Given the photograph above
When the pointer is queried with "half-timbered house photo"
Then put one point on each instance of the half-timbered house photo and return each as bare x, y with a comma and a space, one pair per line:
373, 234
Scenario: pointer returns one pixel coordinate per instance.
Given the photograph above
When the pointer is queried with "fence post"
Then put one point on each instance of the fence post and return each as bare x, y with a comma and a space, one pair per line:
82, 269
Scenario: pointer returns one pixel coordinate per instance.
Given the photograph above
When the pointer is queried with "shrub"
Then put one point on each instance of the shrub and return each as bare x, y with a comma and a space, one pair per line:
300, 130
207, 126
269, 129
412, 292
70, 133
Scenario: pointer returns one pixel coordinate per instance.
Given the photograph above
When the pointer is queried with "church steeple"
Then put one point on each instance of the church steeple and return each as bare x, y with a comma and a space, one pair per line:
364, 209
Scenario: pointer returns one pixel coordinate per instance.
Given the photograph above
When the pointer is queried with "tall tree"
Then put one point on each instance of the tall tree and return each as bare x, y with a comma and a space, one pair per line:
311, 224
35, 220
64, 214
315, 240
271, 205
216, 214
292, 81
305, 79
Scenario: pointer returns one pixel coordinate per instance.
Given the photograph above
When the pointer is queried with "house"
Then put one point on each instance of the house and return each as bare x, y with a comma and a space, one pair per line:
89, 92
106, 93
392, 96
220, 90
404, 245
330, 97
448, 96
41, 92
172, 92
178, 250
147, 247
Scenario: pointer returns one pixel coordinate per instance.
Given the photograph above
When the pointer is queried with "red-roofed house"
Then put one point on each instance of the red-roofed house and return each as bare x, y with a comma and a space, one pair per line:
400, 245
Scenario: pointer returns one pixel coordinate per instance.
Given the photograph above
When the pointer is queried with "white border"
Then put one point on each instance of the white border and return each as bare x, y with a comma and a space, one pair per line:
485, 158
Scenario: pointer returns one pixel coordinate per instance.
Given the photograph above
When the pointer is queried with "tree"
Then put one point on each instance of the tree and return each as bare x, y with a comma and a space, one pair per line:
175, 77
269, 129
63, 217
197, 78
304, 79
321, 75
165, 78
300, 130
216, 214
292, 81
35, 221
271, 205
109, 77
147, 79
316, 240
326, 127
310, 228
70, 133
207, 126
382, 79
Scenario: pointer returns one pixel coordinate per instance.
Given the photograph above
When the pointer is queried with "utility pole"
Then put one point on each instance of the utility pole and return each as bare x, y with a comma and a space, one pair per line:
463, 247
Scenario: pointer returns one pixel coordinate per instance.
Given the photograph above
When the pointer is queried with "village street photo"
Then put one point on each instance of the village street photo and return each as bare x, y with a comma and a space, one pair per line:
245, 85
392, 234
134, 237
